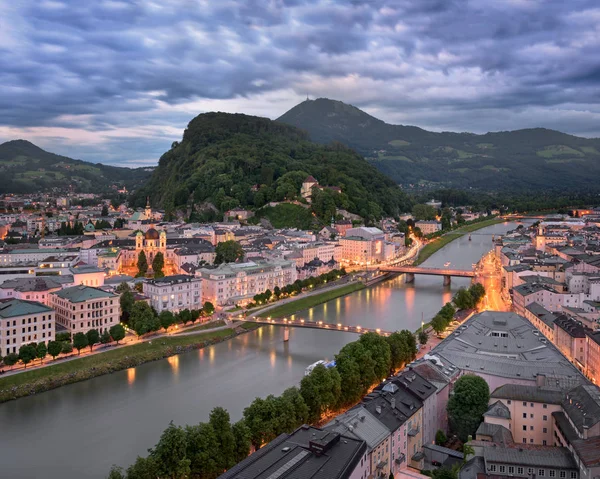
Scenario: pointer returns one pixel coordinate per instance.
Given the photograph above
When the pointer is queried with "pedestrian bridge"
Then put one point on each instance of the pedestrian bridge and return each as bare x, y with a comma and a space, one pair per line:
302, 323
410, 272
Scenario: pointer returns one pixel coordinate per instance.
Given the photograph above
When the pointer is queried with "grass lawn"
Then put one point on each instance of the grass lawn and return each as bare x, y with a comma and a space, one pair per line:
143, 351
442, 241
310, 301
200, 327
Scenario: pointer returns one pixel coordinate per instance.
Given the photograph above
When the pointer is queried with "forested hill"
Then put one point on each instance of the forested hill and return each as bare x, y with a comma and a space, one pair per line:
228, 160
536, 158
26, 168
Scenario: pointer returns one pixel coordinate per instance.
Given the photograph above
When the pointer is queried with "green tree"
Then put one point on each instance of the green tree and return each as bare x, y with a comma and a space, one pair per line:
105, 337
104, 211
423, 337
444, 473
220, 421
320, 390
117, 332
67, 348
54, 348
208, 308
440, 437
463, 299
439, 323
142, 264
202, 449
352, 385
241, 434
297, 405
228, 252
467, 405
126, 301
158, 263
424, 212
122, 288
41, 351
80, 341
185, 316
93, 337
11, 359
143, 468
142, 319
170, 453
64, 336
27, 353
166, 319
477, 291
380, 352
116, 472
258, 419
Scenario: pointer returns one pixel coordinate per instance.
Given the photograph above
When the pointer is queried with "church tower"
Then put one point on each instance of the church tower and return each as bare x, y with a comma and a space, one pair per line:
148, 210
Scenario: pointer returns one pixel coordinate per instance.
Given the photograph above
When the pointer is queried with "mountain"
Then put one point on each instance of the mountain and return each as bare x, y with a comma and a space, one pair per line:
26, 168
532, 159
228, 160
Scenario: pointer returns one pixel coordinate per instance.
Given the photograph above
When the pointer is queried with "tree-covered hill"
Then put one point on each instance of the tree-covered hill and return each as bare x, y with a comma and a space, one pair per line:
531, 159
26, 168
229, 160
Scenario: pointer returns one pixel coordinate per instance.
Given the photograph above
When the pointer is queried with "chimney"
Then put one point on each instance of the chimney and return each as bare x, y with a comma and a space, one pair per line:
378, 409
393, 403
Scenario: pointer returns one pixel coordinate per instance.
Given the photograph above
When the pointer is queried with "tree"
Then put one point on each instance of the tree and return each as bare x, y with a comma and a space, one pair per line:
467, 405
104, 211
170, 453
116, 472
380, 352
424, 212
166, 319
185, 316
439, 323
195, 314
297, 406
228, 252
143, 468
117, 332
142, 319
80, 341
467, 451
423, 337
202, 448
41, 351
477, 291
126, 302
417, 232
440, 437
258, 419
11, 359
93, 337
158, 263
122, 288
67, 348
142, 264
208, 308
27, 353
105, 337
352, 386
320, 390
54, 348
463, 299
241, 435
221, 424
444, 473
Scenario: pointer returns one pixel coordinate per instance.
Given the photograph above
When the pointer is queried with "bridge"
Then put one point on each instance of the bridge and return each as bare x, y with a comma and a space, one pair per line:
410, 272
301, 323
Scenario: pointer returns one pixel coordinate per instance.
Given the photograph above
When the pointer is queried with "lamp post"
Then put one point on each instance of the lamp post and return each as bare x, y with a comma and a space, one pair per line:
366, 264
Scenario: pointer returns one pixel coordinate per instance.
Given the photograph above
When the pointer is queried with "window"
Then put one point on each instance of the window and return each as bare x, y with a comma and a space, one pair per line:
524, 415
541, 472
511, 469
563, 474
493, 467
531, 416
524, 404
545, 406
531, 441
545, 418
544, 443
502, 468
545, 430
531, 428
524, 427
573, 475
524, 440
509, 402
531, 404
520, 470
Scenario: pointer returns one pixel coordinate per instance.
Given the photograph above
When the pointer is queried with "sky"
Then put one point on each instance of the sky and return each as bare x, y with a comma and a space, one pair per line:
117, 81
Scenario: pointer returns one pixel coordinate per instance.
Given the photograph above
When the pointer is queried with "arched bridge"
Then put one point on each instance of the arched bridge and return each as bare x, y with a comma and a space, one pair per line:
410, 272
301, 323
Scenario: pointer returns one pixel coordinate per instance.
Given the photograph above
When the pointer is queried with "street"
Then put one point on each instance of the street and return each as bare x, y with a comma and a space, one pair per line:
489, 274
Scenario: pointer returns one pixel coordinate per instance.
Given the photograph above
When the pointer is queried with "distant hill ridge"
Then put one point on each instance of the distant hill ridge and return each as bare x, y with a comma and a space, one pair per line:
26, 168
535, 158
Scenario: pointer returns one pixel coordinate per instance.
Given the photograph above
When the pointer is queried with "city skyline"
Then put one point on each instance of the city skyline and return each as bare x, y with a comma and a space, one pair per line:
117, 82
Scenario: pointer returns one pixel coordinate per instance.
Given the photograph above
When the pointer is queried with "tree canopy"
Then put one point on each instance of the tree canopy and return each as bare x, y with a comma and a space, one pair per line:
228, 252
467, 404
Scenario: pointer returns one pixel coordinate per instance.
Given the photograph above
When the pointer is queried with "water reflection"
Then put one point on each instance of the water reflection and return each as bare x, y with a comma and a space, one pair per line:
174, 363
130, 376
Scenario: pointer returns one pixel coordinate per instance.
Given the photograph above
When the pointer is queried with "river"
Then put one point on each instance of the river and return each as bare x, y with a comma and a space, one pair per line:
80, 430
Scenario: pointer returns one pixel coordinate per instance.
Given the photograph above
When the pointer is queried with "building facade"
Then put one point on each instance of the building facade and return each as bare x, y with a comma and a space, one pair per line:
24, 322
174, 293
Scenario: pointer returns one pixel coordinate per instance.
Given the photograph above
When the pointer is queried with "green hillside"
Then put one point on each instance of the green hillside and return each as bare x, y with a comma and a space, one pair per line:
511, 161
226, 160
26, 168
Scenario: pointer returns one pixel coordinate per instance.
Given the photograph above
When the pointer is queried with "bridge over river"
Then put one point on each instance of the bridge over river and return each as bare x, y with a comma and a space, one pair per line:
410, 272
301, 323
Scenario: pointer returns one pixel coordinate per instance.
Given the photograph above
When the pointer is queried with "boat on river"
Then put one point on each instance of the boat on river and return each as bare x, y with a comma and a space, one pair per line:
327, 364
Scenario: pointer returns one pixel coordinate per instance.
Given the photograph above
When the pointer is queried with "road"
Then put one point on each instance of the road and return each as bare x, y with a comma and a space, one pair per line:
489, 274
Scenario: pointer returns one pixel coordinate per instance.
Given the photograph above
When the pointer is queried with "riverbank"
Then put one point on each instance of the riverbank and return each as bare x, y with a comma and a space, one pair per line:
438, 243
61, 374
310, 301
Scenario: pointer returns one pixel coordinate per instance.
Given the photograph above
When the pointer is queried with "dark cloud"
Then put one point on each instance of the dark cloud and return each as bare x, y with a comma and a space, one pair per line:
118, 80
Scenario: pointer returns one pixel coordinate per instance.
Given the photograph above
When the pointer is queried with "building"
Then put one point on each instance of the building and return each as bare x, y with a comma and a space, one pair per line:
24, 322
174, 293
571, 340
307, 453
81, 308
238, 283
428, 226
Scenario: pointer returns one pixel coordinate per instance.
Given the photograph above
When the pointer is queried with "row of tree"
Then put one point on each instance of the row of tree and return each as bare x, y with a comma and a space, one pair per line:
207, 450
158, 264
202, 451
463, 299
296, 287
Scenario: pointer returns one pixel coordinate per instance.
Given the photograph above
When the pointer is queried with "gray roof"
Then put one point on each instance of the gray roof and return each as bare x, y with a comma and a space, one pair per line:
498, 409
520, 355
521, 392
499, 434
16, 307
81, 293
549, 457
582, 405
294, 456
546, 316
472, 467
361, 424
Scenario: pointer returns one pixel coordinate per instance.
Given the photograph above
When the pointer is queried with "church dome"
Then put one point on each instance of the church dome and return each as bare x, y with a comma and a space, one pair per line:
151, 234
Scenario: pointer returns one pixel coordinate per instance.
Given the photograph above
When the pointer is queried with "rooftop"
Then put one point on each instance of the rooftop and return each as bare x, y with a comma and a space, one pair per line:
554, 457
521, 392
81, 293
360, 424
16, 307
498, 409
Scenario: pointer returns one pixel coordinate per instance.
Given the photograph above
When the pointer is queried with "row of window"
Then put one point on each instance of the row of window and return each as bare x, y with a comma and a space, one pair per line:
530, 471
544, 417
545, 406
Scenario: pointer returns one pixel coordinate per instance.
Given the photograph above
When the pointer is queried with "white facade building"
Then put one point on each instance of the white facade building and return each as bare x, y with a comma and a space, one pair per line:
24, 322
174, 293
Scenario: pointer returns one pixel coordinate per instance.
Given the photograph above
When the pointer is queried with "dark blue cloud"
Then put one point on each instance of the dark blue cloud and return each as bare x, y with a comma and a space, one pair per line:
118, 80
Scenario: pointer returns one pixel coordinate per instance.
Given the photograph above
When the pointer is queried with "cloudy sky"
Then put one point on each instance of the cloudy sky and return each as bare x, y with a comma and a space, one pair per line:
117, 81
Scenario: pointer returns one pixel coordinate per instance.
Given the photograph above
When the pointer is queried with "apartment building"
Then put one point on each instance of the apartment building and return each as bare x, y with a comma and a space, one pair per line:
23, 322
237, 283
571, 340
428, 227
174, 293
81, 308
